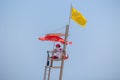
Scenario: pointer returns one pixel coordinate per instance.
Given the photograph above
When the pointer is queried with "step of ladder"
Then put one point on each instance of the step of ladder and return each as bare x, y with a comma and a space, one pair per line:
55, 67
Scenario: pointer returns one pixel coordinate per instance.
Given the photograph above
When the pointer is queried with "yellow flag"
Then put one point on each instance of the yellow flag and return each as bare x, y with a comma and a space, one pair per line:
78, 17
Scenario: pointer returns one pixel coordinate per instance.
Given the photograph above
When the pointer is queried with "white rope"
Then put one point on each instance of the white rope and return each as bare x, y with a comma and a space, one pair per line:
57, 30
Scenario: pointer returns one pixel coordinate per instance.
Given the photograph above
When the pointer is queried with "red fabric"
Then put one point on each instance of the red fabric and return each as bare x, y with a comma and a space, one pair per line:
60, 49
54, 57
65, 57
54, 38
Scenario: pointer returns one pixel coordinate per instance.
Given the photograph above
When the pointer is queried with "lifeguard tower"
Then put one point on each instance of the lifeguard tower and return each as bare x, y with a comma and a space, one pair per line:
55, 37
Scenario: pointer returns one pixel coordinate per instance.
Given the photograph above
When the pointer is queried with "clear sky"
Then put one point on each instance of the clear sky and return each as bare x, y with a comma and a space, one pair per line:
94, 54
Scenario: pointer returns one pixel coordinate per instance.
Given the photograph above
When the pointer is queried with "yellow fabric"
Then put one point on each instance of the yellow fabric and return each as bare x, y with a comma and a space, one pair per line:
78, 17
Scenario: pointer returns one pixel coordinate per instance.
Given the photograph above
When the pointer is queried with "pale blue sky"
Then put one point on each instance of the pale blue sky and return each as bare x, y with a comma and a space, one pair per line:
94, 54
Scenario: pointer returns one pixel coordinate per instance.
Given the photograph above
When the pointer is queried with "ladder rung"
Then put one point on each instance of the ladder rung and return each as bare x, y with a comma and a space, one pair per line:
55, 67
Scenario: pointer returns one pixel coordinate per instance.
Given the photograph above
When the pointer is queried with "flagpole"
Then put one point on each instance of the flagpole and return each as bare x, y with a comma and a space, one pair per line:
67, 29
64, 47
70, 14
